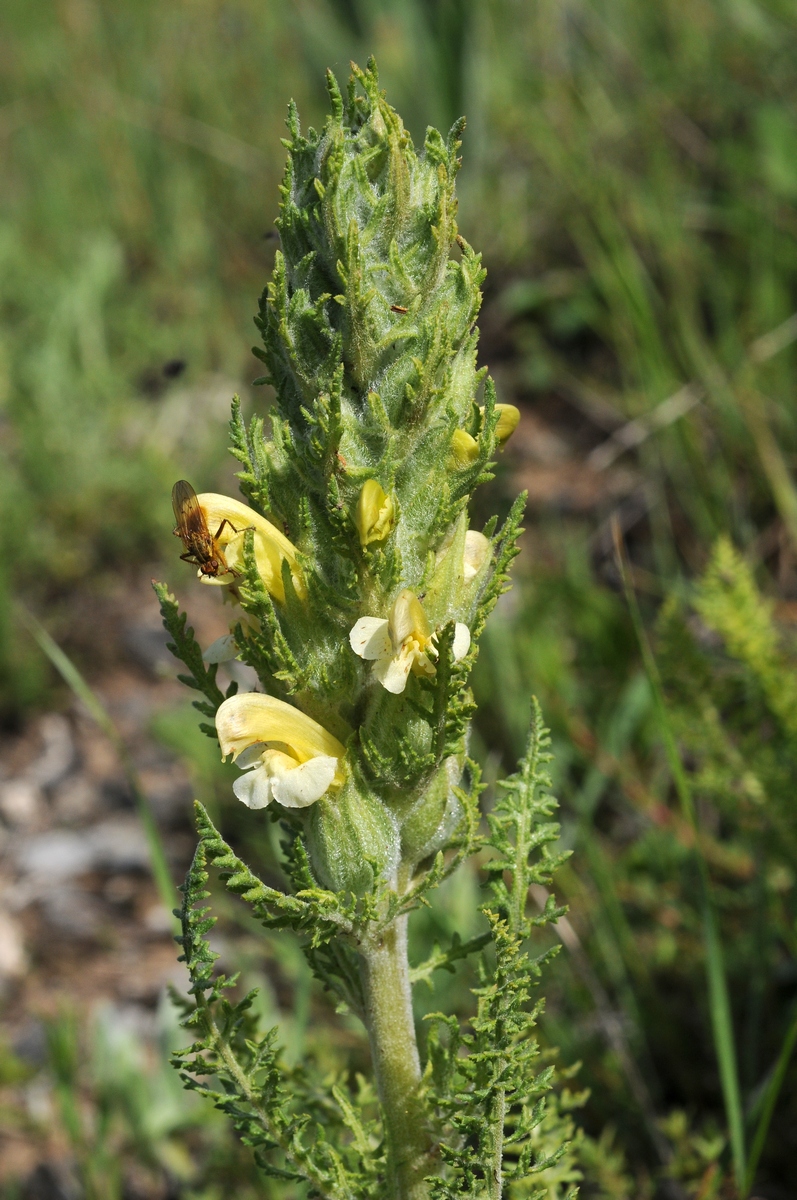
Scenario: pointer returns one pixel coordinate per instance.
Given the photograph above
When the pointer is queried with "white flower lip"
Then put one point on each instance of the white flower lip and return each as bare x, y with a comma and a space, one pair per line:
281, 778
403, 642
370, 638
286, 755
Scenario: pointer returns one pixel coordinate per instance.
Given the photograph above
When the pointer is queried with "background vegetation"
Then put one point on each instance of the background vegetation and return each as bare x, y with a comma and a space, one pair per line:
630, 172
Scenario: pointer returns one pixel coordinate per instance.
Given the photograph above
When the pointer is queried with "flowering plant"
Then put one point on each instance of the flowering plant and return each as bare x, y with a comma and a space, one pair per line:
360, 595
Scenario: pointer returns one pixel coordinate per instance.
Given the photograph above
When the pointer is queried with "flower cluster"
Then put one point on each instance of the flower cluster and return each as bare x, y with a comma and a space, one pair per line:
286, 755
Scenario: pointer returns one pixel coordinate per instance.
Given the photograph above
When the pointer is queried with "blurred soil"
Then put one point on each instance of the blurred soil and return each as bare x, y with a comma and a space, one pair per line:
80, 919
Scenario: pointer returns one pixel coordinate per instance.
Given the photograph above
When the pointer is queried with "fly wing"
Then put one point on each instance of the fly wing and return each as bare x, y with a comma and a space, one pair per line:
191, 523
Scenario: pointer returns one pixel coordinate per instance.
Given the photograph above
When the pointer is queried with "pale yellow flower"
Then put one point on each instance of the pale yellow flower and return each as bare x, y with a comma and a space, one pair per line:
478, 549
376, 512
403, 642
271, 546
286, 755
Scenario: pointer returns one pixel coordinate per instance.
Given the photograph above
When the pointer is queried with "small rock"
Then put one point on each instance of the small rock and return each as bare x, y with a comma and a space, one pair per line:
71, 911
12, 949
119, 844
57, 855
58, 752
20, 801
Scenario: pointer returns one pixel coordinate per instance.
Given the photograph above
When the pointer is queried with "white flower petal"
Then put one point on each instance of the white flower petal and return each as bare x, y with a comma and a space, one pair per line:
370, 638
392, 672
251, 756
222, 650
303, 785
254, 790
461, 644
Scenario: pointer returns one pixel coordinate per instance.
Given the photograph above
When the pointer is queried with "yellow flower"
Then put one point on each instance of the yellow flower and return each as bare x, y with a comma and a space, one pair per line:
287, 756
272, 548
508, 418
376, 512
464, 448
478, 549
402, 643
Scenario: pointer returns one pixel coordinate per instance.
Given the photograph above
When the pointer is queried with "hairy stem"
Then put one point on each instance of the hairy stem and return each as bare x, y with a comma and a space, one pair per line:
397, 1066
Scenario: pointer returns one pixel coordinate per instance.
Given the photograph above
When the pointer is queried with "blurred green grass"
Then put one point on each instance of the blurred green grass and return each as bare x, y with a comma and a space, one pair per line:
630, 172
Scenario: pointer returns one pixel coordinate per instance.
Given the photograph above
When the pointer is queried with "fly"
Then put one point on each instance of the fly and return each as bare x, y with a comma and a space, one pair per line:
201, 546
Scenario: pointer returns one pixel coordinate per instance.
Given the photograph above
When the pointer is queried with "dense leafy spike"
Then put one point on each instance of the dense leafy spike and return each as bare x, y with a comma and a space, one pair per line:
381, 429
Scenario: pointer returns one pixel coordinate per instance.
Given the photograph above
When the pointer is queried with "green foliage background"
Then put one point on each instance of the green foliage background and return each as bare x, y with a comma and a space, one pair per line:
630, 174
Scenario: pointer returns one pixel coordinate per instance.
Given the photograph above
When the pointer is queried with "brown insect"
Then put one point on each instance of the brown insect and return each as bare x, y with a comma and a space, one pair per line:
397, 308
201, 547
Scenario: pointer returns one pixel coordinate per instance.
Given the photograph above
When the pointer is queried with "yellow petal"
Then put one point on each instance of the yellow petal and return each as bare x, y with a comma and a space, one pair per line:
407, 618
464, 448
227, 521
375, 513
252, 717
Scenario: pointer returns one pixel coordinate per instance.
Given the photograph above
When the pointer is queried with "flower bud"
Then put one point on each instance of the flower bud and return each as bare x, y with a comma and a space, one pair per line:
478, 549
464, 449
376, 513
508, 418
507, 423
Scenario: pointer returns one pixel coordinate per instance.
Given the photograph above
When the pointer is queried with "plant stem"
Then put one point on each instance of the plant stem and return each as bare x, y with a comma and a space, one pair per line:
397, 1065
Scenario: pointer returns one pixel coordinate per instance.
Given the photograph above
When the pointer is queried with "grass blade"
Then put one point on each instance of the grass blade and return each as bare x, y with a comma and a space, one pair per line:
768, 1101
719, 1001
